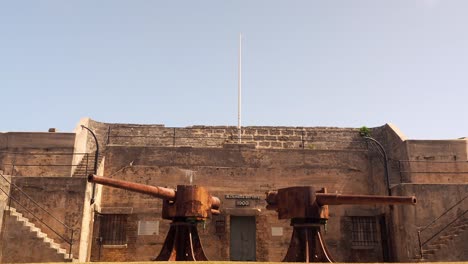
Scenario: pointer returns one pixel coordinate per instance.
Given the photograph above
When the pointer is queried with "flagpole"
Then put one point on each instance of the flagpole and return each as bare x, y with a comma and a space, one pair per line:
239, 95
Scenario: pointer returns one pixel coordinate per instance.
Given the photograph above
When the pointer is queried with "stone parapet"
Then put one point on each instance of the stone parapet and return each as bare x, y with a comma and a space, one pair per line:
217, 136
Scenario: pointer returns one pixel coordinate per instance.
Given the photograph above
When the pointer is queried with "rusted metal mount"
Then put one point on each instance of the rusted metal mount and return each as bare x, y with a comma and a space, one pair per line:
192, 204
307, 243
307, 217
182, 243
308, 211
186, 206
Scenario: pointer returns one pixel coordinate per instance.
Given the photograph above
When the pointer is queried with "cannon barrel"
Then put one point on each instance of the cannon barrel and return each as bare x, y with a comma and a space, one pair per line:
156, 191
159, 192
336, 199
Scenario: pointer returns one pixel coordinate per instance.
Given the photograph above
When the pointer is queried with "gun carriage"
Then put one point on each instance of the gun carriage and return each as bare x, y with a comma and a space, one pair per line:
185, 206
308, 210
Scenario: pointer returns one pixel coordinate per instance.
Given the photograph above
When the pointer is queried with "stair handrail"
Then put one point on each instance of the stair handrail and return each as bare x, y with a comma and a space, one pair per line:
421, 244
32, 200
445, 227
10, 197
13, 163
69, 242
444, 213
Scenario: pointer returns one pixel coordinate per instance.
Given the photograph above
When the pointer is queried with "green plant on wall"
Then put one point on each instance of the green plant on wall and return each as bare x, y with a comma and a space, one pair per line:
364, 131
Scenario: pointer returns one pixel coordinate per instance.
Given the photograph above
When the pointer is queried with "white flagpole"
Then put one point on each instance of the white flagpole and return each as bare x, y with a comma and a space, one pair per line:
239, 95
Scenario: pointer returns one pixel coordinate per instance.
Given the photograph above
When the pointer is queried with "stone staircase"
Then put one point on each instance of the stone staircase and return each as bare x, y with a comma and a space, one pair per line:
28, 243
86, 165
443, 241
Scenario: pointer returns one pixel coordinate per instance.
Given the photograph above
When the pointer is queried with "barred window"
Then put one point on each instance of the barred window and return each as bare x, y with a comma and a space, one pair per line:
112, 229
364, 230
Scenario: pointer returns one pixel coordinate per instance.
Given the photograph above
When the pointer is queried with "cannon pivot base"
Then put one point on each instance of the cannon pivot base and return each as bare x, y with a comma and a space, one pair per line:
307, 244
182, 243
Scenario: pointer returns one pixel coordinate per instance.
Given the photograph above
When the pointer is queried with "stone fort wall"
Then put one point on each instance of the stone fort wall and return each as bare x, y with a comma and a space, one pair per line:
268, 158
36, 154
236, 171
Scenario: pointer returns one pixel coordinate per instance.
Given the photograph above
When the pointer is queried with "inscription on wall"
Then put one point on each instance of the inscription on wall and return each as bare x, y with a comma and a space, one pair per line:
242, 200
245, 197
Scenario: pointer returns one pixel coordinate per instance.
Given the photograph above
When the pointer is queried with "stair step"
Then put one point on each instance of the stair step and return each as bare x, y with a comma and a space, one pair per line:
448, 237
455, 232
27, 223
35, 229
61, 250
442, 242
419, 259
86, 164
18, 216
41, 234
428, 251
436, 246
15, 213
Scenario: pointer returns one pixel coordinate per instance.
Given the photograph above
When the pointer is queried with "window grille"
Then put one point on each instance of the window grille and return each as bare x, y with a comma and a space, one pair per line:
364, 231
112, 229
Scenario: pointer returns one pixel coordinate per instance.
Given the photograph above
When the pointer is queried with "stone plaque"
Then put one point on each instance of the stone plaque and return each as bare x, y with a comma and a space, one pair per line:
277, 231
148, 228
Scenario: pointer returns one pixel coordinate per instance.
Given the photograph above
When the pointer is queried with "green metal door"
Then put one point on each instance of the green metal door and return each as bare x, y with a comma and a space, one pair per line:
243, 235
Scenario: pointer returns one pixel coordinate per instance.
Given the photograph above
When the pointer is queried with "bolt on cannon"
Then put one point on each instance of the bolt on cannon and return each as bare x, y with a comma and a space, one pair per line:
185, 206
308, 210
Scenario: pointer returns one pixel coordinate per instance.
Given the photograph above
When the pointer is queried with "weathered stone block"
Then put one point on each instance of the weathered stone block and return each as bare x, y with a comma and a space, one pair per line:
287, 132
276, 145
275, 132
259, 138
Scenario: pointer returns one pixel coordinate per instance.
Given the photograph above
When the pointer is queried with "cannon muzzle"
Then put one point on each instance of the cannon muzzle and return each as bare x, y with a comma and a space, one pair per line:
337, 199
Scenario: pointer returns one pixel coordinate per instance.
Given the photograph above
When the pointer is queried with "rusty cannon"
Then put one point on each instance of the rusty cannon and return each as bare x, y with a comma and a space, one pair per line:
185, 206
308, 210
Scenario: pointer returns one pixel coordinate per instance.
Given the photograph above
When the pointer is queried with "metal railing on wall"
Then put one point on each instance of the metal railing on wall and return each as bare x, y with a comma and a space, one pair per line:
453, 167
28, 160
69, 230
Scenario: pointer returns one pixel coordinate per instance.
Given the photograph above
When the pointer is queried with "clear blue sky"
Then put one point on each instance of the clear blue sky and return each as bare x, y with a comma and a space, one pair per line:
305, 63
